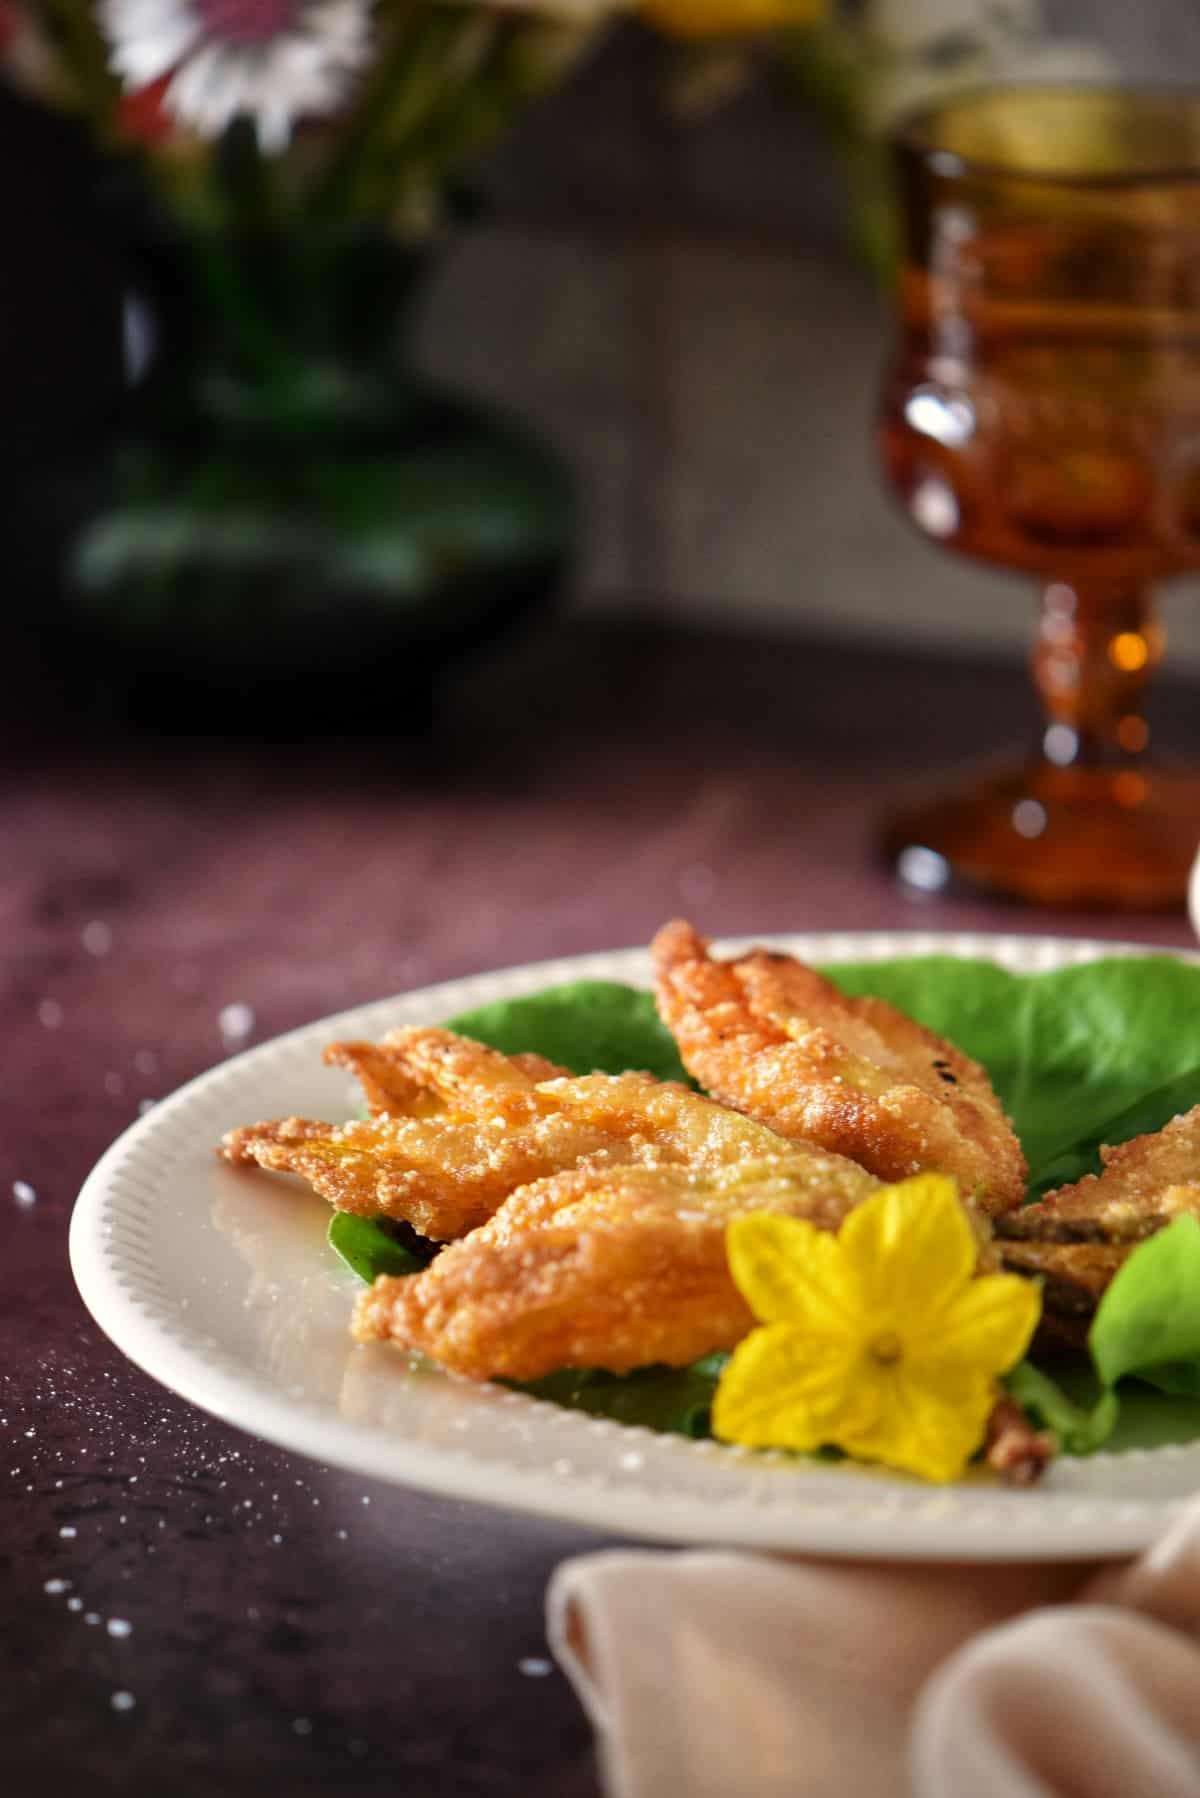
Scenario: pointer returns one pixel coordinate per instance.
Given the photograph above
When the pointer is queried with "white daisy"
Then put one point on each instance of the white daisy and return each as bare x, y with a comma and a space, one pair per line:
274, 61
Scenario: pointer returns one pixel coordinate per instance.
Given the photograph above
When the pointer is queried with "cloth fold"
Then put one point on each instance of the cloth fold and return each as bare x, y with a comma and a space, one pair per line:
727, 1675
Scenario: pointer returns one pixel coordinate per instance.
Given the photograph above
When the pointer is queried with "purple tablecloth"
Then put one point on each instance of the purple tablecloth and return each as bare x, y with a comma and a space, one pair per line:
185, 1608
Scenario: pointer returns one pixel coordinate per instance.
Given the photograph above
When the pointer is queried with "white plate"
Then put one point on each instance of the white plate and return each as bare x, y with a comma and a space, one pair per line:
220, 1285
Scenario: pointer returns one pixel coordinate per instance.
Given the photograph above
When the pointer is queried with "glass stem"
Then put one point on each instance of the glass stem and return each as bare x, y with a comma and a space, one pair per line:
1094, 651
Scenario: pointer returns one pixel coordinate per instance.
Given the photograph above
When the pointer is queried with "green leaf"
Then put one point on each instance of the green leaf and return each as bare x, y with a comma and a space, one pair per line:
589, 1026
1142, 1417
1145, 1115
675, 1399
1080, 1429
1148, 1322
1069, 1052
371, 1247
1153, 1419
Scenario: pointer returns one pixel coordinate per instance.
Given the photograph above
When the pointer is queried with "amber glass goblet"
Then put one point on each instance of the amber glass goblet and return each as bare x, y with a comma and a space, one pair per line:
1042, 412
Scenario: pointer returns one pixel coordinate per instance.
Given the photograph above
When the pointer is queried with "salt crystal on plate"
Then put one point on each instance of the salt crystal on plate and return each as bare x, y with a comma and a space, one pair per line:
97, 937
235, 1021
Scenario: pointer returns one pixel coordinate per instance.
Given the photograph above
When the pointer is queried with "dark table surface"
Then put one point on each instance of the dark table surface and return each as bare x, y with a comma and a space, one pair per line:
260, 1616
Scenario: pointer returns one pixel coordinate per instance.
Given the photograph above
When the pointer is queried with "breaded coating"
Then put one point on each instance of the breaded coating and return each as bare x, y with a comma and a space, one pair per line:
1074, 1276
775, 1039
1077, 1239
497, 1128
1144, 1184
605, 1267
405, 1077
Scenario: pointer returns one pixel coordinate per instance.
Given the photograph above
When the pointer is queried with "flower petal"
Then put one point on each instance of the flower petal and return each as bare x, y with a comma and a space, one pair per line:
788, 1271
988, 1326
925, 1430
910, 1247
782, 1390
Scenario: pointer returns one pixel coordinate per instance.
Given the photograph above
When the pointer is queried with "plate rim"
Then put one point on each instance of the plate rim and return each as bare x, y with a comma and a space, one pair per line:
1099, 1528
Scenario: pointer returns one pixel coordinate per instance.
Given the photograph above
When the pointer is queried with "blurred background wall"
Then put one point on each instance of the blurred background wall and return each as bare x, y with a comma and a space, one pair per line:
678, 306
675, 302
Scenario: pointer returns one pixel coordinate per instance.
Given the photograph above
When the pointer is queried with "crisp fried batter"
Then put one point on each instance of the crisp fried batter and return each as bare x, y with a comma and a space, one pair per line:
498, 1128
777, 1040
604, 1267
1074, 1276
405, 1076
1144, 1184
1078, 1238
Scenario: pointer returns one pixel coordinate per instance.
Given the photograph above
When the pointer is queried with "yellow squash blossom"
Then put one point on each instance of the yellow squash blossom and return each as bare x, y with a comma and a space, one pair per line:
879, 1340
730, 18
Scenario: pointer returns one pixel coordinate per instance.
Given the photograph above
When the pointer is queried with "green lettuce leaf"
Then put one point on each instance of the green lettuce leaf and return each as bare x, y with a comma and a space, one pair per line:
373, 1246
1069, 1052
1085, 1416
676, 1399
1146, 1333
1145, 1115
589, 1026
1081, 1428
1148, 1322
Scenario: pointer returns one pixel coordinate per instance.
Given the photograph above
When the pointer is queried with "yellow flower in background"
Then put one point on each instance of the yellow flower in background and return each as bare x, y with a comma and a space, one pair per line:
729, 18
879, 1340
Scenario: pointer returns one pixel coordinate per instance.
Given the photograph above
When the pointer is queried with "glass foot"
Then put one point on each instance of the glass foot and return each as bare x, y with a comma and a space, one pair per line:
1109, 838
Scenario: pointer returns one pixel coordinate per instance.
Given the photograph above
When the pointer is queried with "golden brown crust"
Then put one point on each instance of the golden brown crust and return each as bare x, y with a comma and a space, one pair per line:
495, 1128
1143, 1185
614, 1268
406, 1076
775, 1039
1076, 1274
1077, 1239
246, 1145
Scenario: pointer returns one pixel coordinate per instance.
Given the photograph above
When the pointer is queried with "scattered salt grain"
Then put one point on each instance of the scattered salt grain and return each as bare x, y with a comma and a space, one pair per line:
50, 1014
97, 937
535, 1666
302, 1726
146, 1061
236, 1021
56, 1585
114, 1084
24, 1193
122, 1701
74, 1604
118, 1626
68, 1530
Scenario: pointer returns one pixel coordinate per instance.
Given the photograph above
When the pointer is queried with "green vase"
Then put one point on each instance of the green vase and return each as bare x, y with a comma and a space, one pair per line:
287, 528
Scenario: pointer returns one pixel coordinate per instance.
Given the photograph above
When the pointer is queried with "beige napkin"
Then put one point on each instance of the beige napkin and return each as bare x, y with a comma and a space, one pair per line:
713, 1675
